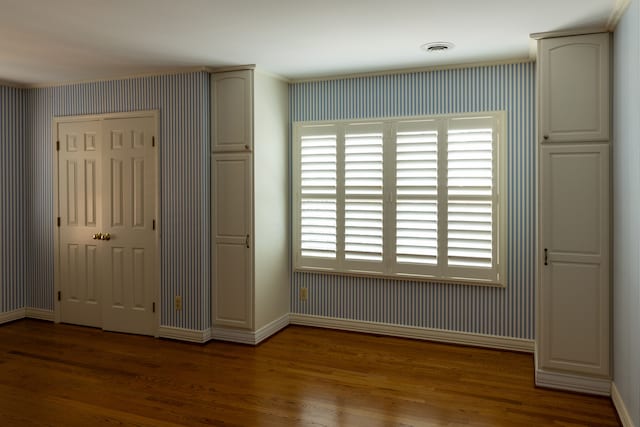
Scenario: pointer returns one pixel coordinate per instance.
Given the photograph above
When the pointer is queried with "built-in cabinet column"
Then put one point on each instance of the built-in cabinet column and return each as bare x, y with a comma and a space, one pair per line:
232, 227
249, 184
573, 293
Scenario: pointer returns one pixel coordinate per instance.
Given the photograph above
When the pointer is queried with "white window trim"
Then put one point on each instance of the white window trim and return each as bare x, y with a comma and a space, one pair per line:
388, 268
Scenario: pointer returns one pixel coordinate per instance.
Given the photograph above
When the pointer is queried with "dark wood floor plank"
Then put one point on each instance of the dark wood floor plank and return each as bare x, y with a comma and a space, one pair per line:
62, 375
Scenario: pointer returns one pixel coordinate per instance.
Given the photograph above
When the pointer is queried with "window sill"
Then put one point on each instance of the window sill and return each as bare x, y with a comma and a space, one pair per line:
402, 277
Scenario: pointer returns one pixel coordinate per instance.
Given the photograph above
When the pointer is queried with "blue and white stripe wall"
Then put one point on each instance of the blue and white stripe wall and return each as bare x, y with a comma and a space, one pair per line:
505, 312
183, 102
12, 199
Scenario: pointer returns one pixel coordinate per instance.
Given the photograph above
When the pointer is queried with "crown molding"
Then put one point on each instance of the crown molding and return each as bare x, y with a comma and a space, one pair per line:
618, 11
412, 70
568, 33
230, 68
7, 83
168, 72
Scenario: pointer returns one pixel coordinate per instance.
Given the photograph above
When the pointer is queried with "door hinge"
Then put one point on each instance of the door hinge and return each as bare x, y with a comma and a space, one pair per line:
59, 296
153, 307
153, 141
154, 224
57, 145
58, 221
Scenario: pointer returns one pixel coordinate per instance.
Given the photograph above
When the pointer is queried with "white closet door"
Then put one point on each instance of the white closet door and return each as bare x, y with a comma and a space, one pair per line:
574, 287
80, 210
574, 88
232, 111
107, 184
129, 190
233, 240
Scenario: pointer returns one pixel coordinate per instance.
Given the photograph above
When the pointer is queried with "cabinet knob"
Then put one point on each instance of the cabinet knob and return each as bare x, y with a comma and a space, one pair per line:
546, 137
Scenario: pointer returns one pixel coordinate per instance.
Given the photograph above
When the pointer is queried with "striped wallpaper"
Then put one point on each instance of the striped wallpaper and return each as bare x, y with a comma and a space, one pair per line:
495, 311
183, 101
12, 198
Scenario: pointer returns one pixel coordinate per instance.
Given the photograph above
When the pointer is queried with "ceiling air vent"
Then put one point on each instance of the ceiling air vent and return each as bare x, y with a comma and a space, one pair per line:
436, 47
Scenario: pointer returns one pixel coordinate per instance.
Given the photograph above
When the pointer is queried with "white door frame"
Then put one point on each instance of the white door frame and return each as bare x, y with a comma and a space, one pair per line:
155, 114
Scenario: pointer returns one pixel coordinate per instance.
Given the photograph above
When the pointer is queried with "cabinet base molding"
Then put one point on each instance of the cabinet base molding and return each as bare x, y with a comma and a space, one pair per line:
577, 383
623, 412
182, 334
242, 336
427, 334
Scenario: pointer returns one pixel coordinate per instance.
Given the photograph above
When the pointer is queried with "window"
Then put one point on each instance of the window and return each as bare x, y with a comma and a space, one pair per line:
415, 197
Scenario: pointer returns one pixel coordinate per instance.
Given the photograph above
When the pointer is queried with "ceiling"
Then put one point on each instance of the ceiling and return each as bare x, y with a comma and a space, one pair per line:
44, 41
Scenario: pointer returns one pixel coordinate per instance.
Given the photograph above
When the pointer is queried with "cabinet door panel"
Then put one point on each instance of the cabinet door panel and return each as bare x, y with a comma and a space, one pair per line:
574, 274
232, 237
231, 270
231, 196
232, 111
574, 314
574, 88
574, 196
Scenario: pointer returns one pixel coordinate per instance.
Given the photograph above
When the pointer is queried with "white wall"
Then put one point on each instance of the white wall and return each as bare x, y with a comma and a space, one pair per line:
271, 198
626, 183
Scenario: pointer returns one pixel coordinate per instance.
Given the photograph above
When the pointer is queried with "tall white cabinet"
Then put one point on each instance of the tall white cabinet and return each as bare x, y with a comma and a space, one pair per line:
573, 293
249, 184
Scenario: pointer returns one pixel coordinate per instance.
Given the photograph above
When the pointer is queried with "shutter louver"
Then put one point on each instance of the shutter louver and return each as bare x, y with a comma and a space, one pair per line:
417, 192
318, 187
363, 196
470, 226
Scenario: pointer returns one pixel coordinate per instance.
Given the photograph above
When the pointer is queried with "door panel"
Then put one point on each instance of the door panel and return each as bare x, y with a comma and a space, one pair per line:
231, 276
574, 284
232, 111
130, 164
574, 88
79, 205
574, 194
232, 253
574, 297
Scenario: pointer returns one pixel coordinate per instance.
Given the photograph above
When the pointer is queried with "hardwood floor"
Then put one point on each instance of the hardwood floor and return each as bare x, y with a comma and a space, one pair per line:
64, 375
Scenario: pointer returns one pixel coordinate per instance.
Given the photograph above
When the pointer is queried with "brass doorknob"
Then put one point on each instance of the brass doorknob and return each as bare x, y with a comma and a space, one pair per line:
97, 236
105, 236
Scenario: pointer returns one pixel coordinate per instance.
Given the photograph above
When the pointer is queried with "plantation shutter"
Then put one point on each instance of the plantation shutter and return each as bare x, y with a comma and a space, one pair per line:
318, 194
471, 199
363, 188
415, 197
416, 184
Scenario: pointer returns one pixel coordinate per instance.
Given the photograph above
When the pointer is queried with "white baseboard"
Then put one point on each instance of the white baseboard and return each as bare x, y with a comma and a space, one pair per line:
428, 334
623, 413
249, 337
271, 328
10, 316
182, 334
29, 312
572, 382
240, 336
40, 314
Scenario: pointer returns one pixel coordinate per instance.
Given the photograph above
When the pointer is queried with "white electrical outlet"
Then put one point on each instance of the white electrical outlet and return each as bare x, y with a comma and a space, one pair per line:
178, 302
